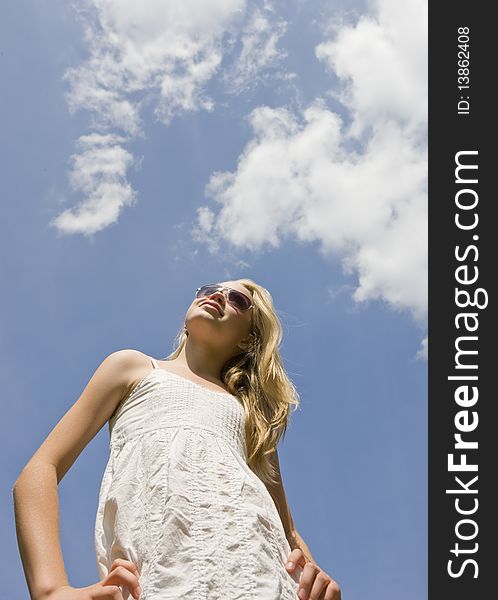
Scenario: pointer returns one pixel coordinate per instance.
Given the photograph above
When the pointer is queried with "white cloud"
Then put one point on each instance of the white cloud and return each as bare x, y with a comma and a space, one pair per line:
382, 61
99, 173
169, 49
360, 191
155, 53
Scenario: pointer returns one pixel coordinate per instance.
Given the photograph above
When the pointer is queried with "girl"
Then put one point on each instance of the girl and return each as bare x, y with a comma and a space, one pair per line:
191, 503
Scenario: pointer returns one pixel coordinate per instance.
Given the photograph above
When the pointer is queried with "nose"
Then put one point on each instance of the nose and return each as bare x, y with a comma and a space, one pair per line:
218, 296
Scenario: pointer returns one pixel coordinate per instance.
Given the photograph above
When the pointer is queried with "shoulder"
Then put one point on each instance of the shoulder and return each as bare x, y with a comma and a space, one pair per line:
126, 366
96, 404
127, 358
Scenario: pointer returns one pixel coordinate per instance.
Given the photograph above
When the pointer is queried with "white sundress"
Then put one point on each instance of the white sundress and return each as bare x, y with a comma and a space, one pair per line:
179, 500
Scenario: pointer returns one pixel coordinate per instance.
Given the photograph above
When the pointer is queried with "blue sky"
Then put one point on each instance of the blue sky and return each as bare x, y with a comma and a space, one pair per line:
285, 142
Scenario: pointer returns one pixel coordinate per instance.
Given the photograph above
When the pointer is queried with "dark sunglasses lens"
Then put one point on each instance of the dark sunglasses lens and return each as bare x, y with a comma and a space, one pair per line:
206, 290
241, 301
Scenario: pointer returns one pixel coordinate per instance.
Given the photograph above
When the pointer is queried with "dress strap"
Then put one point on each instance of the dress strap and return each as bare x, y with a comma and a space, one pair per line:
154, 362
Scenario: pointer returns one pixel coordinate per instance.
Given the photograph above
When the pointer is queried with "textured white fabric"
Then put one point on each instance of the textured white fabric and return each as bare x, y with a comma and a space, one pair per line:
179, 500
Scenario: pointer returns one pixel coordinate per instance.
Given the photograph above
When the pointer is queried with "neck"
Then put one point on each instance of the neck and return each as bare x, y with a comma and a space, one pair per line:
203, 360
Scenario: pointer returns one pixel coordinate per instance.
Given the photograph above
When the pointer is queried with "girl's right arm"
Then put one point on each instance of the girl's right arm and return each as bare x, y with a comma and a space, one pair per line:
35, 494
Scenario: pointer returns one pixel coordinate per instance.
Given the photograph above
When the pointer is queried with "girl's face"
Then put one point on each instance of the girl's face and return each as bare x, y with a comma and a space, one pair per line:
216, 320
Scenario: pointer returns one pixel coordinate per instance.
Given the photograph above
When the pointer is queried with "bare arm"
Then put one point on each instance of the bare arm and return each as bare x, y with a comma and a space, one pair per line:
36, 507
296, 541
300, 553
277, 492
35, 493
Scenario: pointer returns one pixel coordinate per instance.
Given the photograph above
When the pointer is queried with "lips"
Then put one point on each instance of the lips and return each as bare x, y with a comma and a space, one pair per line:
214, 305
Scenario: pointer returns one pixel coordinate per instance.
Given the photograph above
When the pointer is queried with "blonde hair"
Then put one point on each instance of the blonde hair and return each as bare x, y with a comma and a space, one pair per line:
258, 379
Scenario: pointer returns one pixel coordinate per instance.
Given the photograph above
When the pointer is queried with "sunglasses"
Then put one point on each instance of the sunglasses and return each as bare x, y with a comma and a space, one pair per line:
237, 299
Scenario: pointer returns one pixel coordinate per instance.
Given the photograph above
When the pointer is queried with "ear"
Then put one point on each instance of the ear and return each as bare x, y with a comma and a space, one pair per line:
243, 345
246, 342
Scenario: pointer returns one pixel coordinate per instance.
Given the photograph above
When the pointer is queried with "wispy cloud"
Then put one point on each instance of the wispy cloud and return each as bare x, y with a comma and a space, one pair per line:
259, 52
357, 187
423, 353
159, 54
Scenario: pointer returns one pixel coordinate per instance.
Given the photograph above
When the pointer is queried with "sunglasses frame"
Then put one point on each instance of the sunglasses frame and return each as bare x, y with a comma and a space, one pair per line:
222, 288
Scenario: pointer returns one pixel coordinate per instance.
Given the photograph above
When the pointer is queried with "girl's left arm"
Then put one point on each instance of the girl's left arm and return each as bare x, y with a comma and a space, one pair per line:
313, 581
296, 541
277, 492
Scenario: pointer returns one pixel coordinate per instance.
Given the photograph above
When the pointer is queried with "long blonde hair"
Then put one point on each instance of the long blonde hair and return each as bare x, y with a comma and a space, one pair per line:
258, 379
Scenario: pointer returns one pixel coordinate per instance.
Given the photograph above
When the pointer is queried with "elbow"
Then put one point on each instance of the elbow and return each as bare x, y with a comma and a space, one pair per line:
19, 480
18, 483
15, 485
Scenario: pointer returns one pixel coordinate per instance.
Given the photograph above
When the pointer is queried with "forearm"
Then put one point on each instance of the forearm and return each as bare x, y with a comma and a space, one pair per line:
296, 541
36, 508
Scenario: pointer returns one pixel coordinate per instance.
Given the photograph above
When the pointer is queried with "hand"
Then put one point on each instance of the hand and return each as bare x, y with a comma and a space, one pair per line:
122, 573
314, 583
